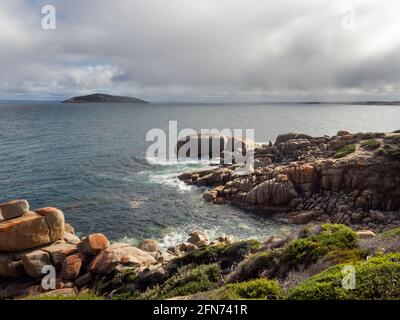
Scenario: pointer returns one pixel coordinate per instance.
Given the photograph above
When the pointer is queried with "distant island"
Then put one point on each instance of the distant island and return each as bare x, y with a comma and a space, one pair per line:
103, 98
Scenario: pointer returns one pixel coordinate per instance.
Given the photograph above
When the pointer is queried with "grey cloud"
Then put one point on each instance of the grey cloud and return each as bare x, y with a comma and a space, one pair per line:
201, 49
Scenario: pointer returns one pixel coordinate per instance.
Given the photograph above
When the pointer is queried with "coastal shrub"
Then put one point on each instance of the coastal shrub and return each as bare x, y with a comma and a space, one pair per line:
81, 296
188, 280
337, 235
392, 233
376, 278
397, 131
225, 255
308, 250
236, 252
371, 144
255, 289
104, 284
211, 254
256, 264
302, 252
337, 256
299, 253
391, 152
345, 151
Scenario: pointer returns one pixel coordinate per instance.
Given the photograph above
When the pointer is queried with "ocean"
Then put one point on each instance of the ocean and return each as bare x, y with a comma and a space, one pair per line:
90, 161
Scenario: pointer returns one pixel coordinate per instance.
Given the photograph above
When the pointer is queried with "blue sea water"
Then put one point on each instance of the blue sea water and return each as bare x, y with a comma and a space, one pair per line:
90, 161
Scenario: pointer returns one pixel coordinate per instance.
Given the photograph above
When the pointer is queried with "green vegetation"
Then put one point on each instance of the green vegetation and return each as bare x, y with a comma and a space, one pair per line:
255, 289
188, 280
301, 252
225, 255
345, 151
393, 233
308, 250
104, 284
322, 251
391, 152
376, 278
81, 296
371, 144
397, 131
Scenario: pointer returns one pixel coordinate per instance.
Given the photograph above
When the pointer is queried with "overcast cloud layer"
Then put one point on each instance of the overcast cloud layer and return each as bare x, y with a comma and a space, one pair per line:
202, 50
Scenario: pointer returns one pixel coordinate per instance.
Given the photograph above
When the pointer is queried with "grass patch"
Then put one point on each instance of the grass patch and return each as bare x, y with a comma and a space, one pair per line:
308, 250
255, 289
345, 151
397, 131
225, 255
188, 280
391, 152
300, 253
393, 233
371, 144
377, 278
82, 296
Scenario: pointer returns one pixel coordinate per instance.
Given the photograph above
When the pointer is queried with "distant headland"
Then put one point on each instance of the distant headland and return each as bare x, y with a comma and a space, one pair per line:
103, 98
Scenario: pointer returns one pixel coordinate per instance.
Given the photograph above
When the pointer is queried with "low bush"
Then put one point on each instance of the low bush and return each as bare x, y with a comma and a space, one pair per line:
225, 255
81, 296
376, 278
391, 152
371, 144
255, 289
345, 151
188, 280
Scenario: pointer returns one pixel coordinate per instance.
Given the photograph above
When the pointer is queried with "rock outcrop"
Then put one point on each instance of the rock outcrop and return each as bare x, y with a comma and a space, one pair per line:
31, 242
348, 178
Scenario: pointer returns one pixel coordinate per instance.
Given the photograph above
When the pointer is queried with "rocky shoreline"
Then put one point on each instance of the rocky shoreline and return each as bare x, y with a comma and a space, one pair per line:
32, 240
344, 189
287, 266
348, 178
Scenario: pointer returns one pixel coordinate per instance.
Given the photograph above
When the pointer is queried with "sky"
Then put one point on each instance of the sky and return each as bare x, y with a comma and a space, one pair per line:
202, 50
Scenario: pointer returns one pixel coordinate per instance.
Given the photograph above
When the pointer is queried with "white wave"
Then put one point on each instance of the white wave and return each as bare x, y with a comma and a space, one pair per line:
181, 162
170, 179
181, 234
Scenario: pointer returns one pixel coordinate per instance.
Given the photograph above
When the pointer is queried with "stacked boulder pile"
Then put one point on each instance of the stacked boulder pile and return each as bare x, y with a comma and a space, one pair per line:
347, 178
33, 241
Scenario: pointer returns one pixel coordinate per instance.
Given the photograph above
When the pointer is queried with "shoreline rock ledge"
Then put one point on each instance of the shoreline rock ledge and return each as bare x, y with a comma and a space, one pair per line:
346, 178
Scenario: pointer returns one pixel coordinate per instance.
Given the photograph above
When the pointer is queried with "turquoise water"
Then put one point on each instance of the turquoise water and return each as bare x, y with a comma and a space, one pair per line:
89, 160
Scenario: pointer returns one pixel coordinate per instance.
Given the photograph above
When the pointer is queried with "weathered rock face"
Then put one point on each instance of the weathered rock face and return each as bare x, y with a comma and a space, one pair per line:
93, 244
31, 230
197, 238
9, 268
72, 265
304, 178
58, 253
55, 222
23, 233
35, 261
13, 209
211, 146
109, 258
149, 245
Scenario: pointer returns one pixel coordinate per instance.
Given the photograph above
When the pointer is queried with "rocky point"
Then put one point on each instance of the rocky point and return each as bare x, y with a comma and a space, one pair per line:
347, 178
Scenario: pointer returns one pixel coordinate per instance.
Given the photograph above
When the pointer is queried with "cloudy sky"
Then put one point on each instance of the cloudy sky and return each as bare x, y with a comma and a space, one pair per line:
202, 50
